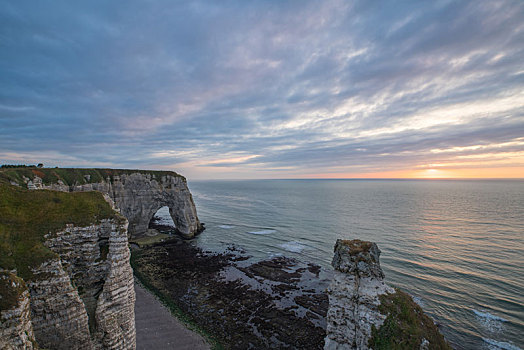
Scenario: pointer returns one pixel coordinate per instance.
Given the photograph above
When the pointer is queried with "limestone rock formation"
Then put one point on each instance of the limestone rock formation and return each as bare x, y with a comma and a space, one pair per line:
83, 299
365, 313
16, 329
65, 276
136, 194
138, 197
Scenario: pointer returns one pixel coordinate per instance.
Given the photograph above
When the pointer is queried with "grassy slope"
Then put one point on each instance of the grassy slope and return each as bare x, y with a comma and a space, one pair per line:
406, 325
11, 289
26, 216
71, 176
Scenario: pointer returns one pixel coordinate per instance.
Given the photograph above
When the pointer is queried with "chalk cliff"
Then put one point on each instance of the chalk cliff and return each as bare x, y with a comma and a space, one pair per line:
65, 277
138, 197
365, 313
136, 194
16, 329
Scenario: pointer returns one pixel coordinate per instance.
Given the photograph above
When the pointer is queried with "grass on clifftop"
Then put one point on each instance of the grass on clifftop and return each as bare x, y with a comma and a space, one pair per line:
406, 325
72, 176
26, 216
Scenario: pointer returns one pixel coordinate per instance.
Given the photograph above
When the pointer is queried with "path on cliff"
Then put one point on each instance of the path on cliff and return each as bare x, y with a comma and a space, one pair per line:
157, 329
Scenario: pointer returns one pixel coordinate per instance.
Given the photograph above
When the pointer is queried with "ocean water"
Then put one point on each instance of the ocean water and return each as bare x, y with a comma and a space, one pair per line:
456, 246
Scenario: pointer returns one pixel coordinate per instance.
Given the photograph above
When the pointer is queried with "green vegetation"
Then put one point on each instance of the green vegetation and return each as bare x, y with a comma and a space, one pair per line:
26, 216
356, 246
11, 288
164, 298
405, 326
70, 176
149, 240
17, 166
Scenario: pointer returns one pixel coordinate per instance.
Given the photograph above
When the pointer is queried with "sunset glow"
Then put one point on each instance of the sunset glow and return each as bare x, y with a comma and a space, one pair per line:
248, 90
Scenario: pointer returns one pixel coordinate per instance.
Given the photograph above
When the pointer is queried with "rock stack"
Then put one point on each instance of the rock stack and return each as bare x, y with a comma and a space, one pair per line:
365, 313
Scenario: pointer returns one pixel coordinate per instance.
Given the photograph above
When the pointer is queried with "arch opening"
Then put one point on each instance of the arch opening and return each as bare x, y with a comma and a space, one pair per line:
161, 222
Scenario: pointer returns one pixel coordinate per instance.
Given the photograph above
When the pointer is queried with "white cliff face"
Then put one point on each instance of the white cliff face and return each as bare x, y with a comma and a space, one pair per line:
96, 260
58, 315
83, 299
16, 329
354, 295
138, 196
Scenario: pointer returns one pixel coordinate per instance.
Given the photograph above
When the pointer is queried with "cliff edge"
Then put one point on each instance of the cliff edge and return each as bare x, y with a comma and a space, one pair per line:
365, 313
65, 277
136, 194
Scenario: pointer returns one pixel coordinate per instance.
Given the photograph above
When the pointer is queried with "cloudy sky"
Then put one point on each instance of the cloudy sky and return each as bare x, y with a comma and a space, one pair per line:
265, 89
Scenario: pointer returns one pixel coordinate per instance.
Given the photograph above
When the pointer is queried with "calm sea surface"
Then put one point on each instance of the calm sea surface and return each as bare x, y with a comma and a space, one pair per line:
456, 246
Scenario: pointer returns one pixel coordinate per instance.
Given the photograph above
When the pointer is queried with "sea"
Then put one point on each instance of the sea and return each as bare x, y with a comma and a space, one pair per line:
456, 246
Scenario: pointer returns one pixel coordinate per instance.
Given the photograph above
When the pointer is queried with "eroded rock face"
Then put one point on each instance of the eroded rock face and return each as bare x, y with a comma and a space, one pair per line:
16, 329
83, 299
354, 292
138, 196
58, 315
365, 313
96, 259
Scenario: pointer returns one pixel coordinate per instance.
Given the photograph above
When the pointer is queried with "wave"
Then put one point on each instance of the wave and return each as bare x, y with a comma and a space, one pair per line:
418, 300
489, 321
225, 226
262, 232
495, 345
272, 255
293, 246
488, 316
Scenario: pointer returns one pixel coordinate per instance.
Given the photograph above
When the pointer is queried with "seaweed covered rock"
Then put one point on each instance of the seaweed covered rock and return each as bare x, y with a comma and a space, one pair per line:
365, 313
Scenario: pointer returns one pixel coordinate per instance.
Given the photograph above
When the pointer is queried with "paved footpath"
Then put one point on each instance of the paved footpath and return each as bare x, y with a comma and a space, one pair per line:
157, 329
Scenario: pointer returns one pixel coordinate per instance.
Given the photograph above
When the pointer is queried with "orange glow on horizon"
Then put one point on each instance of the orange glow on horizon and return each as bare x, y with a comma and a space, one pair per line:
469, 173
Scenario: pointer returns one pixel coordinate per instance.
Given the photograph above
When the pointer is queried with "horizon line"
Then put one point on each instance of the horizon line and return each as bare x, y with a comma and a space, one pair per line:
370, 178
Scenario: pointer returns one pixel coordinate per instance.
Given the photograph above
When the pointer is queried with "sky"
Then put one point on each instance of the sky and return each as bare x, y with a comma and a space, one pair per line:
265, 89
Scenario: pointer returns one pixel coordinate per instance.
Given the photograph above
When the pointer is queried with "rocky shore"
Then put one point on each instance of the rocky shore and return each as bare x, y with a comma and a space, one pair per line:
275, 303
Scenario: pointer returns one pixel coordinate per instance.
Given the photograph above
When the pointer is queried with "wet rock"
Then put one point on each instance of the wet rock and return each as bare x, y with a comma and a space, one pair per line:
244, 305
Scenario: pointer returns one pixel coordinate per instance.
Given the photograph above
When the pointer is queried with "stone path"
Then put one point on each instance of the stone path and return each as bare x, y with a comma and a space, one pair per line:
157, 329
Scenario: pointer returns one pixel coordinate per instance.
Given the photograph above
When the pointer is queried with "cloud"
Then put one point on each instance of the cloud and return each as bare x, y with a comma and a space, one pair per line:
285, 86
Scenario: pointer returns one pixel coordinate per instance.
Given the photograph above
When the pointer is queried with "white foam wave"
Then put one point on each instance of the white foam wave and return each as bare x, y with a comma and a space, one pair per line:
487, 315
225, 226
293, 246
262, 232
418, 300
490, 322
496, 345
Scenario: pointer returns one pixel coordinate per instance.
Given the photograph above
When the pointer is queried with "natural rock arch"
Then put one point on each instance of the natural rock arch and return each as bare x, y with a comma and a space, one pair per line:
139, 196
